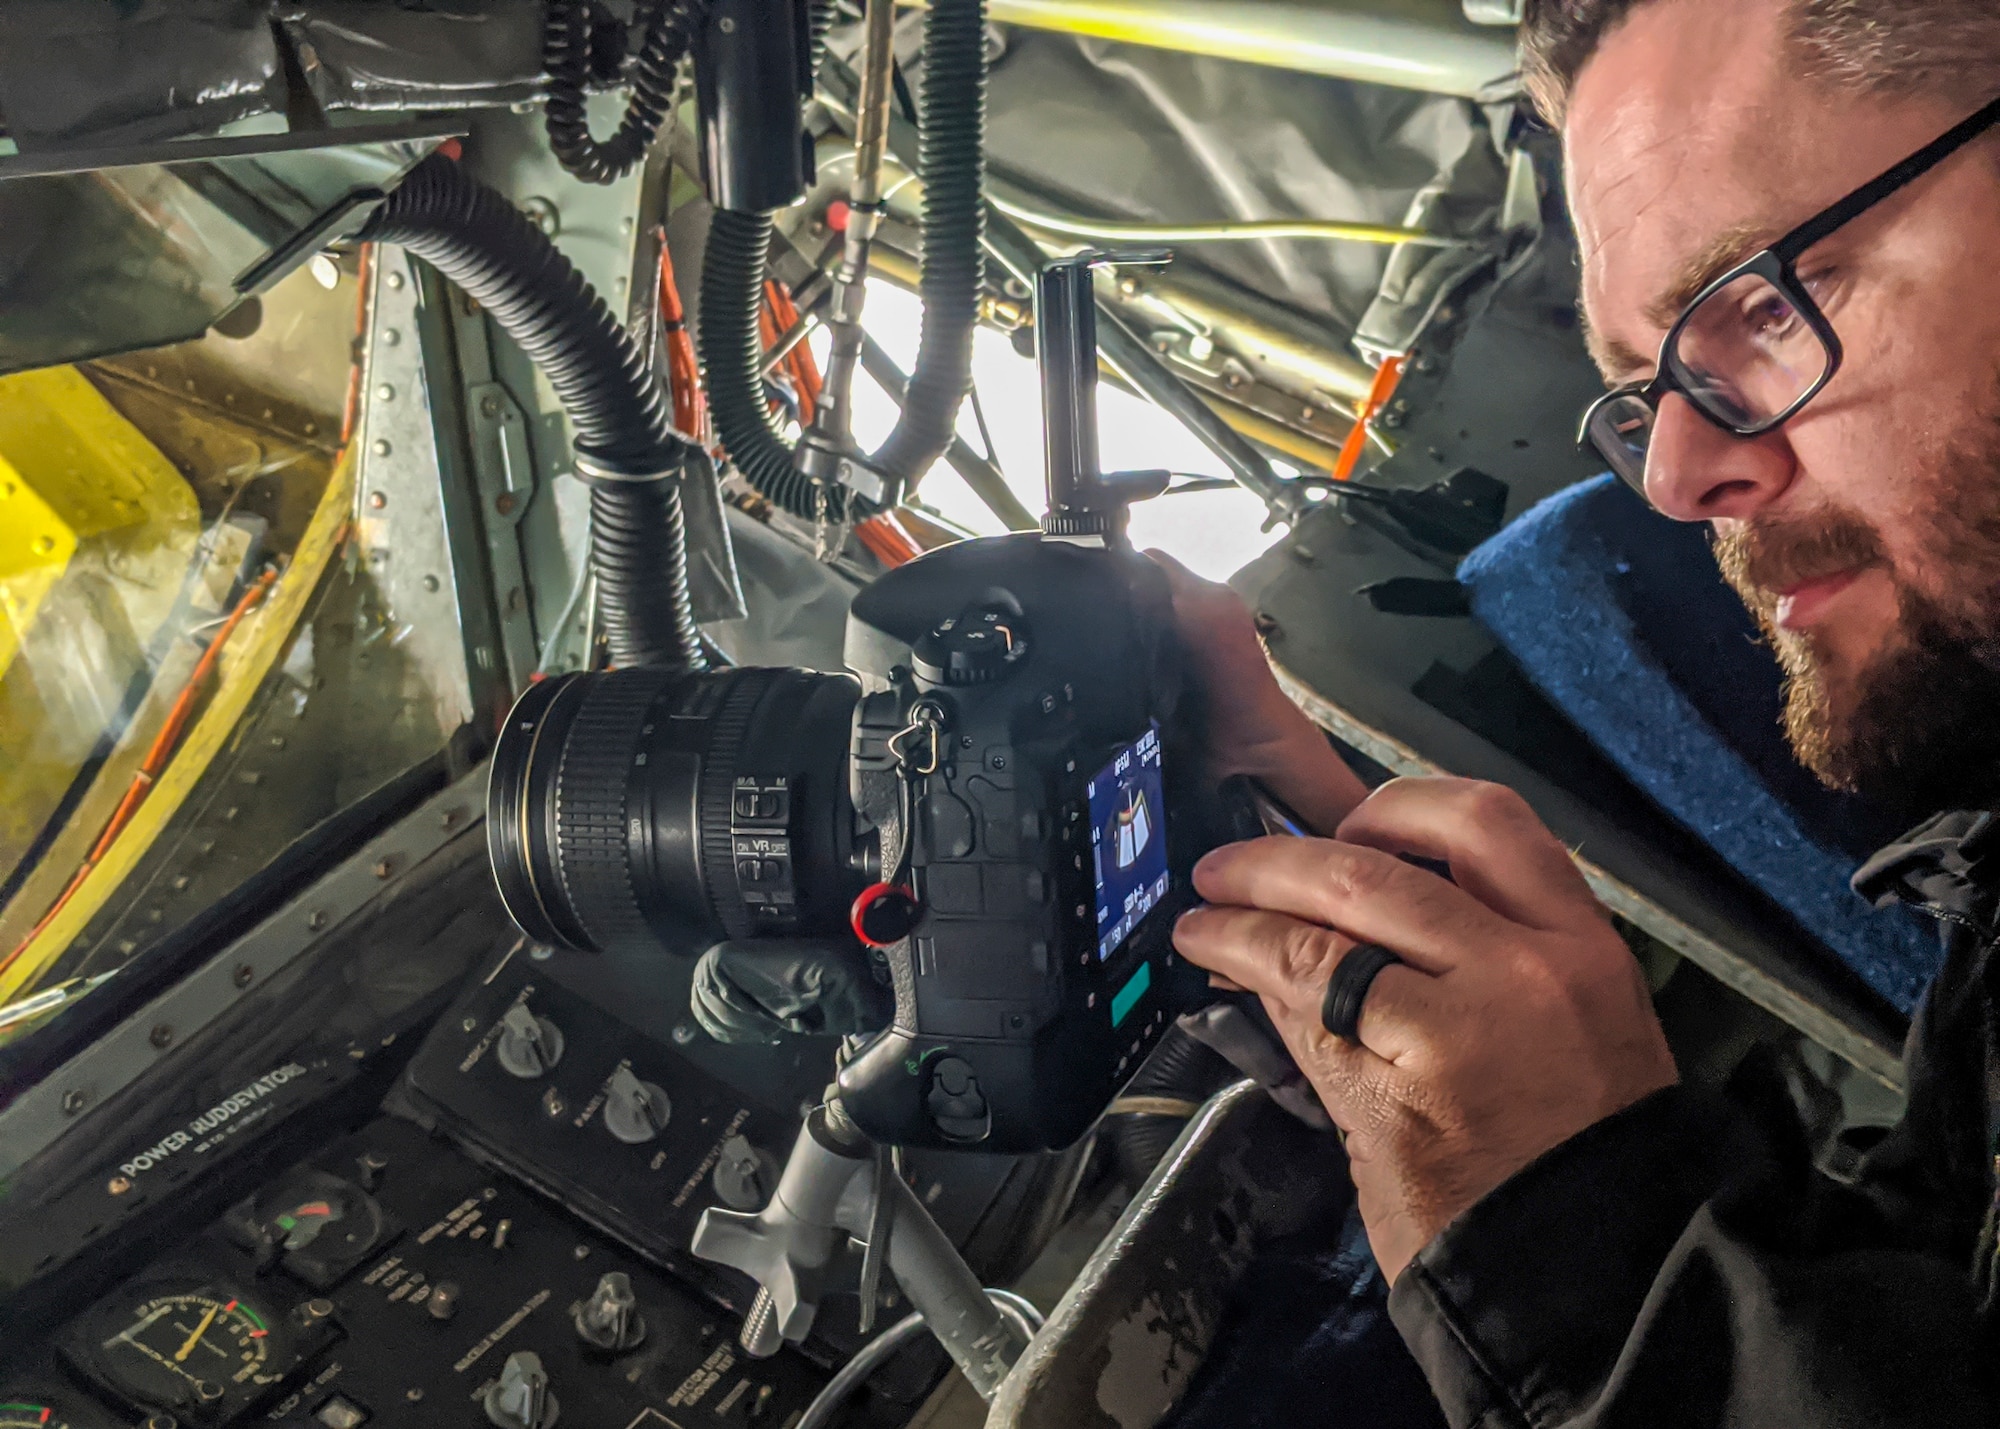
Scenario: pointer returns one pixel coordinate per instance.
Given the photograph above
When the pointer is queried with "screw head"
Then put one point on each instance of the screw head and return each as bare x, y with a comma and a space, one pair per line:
162, 1036
376, 501
683, 1034
119, 1185
73, 1101
316, 919
244, 975
383, 868
504, 503
430, 583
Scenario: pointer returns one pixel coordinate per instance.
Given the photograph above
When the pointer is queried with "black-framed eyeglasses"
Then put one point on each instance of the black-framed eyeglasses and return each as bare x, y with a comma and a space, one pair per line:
1753, 348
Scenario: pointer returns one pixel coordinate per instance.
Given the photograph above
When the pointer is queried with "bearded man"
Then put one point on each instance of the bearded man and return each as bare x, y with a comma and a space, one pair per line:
1789, 213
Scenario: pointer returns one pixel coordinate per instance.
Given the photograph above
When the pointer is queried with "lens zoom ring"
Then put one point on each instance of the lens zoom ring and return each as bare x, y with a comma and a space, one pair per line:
592, 854
718, 788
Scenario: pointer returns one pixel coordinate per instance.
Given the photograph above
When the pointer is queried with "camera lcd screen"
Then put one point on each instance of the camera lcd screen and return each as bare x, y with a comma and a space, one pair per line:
1128, 818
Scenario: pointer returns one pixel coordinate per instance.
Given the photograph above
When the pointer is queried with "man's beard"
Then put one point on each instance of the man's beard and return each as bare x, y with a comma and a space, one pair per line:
1917, 729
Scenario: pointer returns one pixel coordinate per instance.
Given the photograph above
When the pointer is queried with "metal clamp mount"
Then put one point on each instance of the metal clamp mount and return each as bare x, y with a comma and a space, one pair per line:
826, 1221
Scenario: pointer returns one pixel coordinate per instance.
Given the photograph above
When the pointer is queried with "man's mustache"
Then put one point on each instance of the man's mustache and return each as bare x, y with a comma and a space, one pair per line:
1761, 559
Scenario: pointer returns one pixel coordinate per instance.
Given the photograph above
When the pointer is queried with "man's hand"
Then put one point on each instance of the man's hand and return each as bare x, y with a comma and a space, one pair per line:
1252, 727
1520, 1019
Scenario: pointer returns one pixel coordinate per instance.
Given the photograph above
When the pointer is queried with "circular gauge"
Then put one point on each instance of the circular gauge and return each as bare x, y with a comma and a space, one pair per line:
319, 1226
31, 1414
28, 1407
188, 1349
198, 1349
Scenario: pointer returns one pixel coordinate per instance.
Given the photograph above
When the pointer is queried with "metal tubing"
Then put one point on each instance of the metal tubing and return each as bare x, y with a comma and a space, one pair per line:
871, 126
1140, 366
834, 432
1147, 373
1409, 44
983, 1342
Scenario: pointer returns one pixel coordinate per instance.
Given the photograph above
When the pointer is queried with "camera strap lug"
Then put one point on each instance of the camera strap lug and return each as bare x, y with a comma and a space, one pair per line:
926, 726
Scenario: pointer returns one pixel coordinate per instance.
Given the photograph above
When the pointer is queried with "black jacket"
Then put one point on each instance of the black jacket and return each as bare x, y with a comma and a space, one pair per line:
1683, 1264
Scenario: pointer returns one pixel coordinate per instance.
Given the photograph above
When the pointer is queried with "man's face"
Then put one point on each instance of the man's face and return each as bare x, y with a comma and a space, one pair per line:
1865, 533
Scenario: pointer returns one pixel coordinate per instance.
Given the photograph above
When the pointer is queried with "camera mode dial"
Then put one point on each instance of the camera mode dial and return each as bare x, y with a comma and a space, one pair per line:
973, 648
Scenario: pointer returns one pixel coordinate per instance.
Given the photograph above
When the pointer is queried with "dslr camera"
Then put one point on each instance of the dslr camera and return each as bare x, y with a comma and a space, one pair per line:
999, 799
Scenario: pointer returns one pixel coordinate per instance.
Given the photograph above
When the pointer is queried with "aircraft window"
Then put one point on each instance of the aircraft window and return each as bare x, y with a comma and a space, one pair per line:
1214, 533
194, 669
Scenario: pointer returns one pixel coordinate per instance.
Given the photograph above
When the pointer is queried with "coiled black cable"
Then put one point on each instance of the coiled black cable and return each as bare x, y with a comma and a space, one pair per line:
952, 161
732, 352
481, 242
568, 46
951, 157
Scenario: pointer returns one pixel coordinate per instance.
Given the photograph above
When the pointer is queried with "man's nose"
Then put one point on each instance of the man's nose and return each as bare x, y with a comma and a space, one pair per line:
1695, 471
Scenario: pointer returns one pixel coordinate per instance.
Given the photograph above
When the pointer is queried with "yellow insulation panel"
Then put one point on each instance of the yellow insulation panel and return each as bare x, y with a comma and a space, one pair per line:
71, 469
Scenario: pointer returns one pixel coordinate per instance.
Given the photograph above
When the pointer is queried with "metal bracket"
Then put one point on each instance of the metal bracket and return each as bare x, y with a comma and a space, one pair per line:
502, 456
503, 475
45, 1111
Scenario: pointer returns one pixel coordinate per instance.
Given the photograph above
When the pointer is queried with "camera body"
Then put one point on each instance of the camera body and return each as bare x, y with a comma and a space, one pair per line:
1027, 734
1002, 799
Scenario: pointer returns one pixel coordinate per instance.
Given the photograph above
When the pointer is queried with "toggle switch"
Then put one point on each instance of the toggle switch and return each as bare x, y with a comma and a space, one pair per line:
521, 1397
610, 1319
634, 1111
529, 1045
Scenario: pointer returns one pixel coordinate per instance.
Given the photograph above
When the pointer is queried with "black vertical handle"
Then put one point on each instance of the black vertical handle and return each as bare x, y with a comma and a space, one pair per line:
1066, 360
1083, 504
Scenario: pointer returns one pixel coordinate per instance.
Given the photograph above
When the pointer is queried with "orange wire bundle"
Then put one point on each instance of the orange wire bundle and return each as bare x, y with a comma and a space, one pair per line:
778, 317
683, 371
156, 760
887, 541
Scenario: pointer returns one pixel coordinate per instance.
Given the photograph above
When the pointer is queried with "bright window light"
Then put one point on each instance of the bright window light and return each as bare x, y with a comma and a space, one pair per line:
1214, 533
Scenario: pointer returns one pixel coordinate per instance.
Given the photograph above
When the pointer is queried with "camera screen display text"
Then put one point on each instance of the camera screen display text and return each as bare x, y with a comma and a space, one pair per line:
1128, 837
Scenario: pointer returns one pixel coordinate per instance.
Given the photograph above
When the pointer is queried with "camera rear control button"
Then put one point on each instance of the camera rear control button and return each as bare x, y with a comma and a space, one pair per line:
955, 1102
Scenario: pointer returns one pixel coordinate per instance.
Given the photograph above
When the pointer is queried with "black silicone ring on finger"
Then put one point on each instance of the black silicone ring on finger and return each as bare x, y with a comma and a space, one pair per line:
1347, 989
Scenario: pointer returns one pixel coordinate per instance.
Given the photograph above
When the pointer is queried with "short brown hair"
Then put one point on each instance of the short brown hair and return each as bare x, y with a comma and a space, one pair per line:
1883, 47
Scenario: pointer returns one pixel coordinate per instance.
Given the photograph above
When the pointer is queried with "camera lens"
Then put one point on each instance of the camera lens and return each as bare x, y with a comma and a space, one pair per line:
639, 809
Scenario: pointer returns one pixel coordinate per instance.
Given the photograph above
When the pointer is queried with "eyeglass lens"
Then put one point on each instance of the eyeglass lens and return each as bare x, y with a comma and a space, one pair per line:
1745, 355
1622, 431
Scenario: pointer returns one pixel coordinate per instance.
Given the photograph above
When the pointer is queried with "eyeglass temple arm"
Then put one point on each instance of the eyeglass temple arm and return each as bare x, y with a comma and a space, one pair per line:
1901, 176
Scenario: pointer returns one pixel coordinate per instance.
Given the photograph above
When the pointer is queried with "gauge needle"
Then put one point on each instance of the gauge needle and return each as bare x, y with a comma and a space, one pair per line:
187, 1349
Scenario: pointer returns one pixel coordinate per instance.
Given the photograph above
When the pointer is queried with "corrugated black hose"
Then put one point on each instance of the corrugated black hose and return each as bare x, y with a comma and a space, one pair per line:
1181, 1070
625, 441
569, 44
952, 160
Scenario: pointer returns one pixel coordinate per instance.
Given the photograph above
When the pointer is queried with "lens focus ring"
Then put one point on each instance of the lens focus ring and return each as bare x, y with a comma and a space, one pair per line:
593, 782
